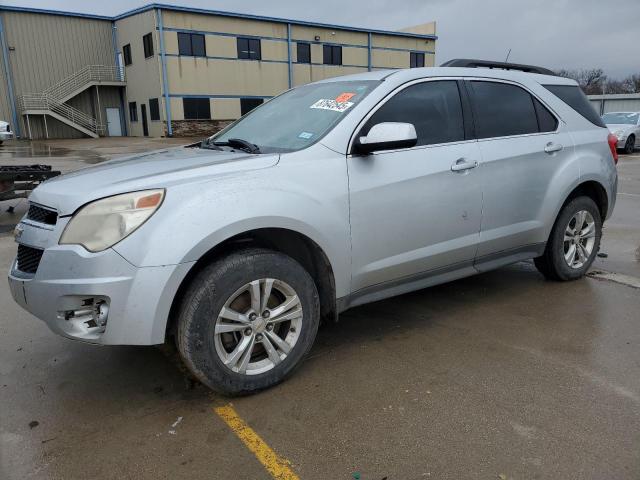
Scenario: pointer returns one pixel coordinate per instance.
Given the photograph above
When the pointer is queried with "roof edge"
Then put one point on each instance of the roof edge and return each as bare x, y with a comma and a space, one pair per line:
62, 13
222, 13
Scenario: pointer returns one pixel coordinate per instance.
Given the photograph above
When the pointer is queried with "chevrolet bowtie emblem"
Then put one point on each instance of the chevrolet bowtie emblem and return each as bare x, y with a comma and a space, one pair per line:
17, 232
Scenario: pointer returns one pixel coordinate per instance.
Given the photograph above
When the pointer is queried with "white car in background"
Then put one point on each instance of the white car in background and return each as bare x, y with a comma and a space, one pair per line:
5, 131
626, 127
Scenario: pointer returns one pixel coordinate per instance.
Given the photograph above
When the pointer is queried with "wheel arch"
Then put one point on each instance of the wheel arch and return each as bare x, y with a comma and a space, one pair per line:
297, 245
594, 190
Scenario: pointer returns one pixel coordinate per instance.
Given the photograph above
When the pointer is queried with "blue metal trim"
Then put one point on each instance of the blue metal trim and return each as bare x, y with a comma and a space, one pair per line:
7, 74
179, 95
369, 45
114, 42
220, 13
320, 64
269, 19
347, 45
224, 34
411, 50
210, 57
289, 59
165, 81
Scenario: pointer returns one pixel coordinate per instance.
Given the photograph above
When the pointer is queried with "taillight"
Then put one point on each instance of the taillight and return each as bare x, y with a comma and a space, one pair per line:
613, 142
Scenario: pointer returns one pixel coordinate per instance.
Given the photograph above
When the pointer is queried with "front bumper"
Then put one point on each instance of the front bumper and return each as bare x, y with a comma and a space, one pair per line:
70, 286
5, 136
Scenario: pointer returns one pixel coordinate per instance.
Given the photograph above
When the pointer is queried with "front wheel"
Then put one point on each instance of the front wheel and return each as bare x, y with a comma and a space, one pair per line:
574, 241
247, 320
630, 145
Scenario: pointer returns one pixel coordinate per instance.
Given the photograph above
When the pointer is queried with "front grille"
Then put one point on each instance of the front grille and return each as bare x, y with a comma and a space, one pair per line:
42, 215
28, 258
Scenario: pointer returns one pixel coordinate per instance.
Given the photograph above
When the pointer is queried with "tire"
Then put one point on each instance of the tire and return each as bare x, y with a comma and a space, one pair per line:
630, 145
213, 356
553, 264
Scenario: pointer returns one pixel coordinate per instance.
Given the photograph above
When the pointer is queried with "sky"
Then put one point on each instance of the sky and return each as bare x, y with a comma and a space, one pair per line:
570, 34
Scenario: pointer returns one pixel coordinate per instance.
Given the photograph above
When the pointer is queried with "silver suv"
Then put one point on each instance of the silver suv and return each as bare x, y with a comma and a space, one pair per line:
331, 195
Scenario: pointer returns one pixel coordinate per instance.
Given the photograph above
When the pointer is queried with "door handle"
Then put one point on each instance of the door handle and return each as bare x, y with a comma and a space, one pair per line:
461, 165
553, 147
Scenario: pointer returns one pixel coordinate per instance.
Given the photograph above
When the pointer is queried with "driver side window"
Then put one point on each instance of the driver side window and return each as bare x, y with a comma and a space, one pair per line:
434, 109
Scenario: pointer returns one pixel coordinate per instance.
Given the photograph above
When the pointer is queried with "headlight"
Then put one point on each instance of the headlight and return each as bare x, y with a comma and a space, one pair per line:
103, 223
620, 134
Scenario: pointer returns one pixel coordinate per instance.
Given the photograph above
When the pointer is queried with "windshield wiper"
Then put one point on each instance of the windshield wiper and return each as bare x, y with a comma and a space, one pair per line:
239, 143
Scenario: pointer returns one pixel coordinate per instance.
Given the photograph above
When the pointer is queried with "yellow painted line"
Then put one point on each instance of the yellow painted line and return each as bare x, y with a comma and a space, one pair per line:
277, 466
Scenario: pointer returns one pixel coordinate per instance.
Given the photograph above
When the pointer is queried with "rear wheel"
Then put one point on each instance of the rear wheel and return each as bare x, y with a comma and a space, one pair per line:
247, 321
630, 145
574, 241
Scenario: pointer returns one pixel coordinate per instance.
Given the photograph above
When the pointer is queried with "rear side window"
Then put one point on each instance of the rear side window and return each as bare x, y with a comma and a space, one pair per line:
573, 96
434, 108
502, 110
546, 121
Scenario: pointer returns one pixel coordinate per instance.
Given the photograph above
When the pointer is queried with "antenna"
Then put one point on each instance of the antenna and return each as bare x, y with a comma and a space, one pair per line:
507, 59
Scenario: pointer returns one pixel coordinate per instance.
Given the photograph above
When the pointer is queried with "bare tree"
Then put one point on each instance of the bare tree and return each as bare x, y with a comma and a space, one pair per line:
593, 81
633, 83
618, 86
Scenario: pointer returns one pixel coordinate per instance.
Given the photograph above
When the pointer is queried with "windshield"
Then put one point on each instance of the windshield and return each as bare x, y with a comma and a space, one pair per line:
297, 118
620, 118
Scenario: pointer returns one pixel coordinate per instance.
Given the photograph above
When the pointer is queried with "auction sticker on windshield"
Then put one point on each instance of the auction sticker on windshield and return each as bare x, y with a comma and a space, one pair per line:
333, 105
345, 97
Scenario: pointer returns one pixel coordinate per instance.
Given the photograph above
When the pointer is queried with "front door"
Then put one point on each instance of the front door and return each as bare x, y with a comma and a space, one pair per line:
114, 126
416, 212
145, 125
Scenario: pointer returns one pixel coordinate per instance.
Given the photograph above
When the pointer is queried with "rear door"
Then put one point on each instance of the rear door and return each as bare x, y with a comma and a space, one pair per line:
416, 211
523, 146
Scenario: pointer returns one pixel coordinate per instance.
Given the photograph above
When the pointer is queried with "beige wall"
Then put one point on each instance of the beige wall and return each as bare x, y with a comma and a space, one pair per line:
222, 74
144, 80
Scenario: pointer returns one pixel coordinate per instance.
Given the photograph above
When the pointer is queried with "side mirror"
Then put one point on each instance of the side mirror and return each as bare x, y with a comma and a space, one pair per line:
387, 136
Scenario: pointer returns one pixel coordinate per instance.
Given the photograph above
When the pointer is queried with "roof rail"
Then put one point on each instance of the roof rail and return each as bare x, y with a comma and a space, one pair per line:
474, 63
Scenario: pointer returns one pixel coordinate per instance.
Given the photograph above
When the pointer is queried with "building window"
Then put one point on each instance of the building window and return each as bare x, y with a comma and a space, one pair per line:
196, 108
191, 44
133, 112
416, 60
249, 48
304, 53
147, 43
126, 53
248, 104
332, 55
154, 109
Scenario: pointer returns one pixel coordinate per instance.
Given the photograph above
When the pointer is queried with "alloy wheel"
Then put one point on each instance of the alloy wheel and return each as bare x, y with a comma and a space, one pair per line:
579, 239
258, 326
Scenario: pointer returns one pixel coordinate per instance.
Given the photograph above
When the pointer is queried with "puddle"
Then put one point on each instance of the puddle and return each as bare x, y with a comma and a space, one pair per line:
21, 151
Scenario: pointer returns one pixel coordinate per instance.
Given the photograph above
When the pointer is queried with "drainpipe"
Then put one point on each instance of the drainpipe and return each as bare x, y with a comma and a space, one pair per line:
369, 46
289, 60
123, 113
7, 74
165, 82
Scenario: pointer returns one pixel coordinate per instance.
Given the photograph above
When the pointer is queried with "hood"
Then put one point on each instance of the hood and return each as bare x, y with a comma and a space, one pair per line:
158, 169
619, 127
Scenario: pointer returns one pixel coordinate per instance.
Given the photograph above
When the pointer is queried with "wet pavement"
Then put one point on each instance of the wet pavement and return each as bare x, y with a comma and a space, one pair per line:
498, 376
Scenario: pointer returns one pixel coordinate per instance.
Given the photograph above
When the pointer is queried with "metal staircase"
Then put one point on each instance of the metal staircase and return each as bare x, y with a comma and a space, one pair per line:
52, 101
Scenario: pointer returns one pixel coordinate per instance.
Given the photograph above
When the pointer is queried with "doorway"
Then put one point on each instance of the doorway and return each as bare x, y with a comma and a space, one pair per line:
114, 125
145, 125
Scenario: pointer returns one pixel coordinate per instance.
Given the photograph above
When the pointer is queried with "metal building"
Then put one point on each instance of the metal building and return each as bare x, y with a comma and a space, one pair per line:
616, 102
166, 70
